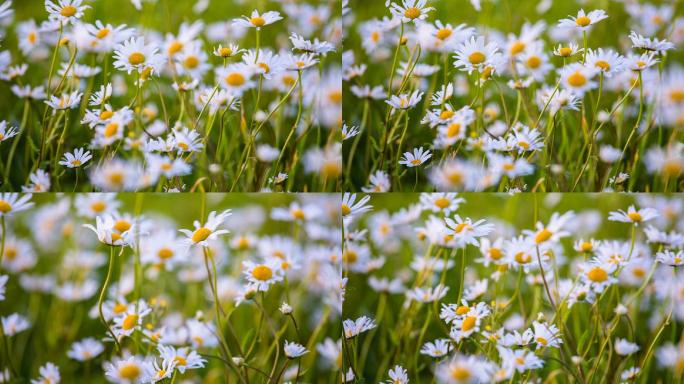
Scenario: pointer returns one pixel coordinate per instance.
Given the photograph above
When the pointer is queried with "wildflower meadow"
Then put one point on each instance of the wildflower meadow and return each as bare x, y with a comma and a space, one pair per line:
528, 288
98, 288
502, 95
170, 95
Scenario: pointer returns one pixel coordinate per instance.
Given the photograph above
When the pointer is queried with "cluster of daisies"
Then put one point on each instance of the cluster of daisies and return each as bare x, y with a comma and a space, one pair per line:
588, 102
592, 295
249, 102
249, 294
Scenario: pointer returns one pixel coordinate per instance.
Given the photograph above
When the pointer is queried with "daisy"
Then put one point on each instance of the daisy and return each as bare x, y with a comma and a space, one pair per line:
671, 258
462, 369
7, 133
608, 62
107, 232
349, 132
546, 335
624, 347
577, 78
379, 182
236, 78
202, 234
299, 62
131, 319
655, 45
28, 92
11, 203
182, 359
405, 100
569, 50
598, 275
77, 159
445, 203
552, 232
262, 275
583, 21
125, 371
633, 215
135, 55
228, 51
316, 47
65, 11
49, 374
350, 207
475, 55
638, 63
415, 159
410, 10
39, 181
14, 324
353, 328
465, 231
398, 375
256, 20
293, 350
66, 101
85, 349
519, 360
437, 348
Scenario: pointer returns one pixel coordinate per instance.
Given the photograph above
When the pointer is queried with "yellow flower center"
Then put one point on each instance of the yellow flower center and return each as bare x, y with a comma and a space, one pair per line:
468, 323
517, 47
542, 340
5, 206
349, 257
534, 62
495, 253
111, 129
508, 167
577, 79
444, 33
446, 114
122, 225
477, 58
129, 322
677, 95
634, 216
542, 236
68, 11
191, 62
460, 373
412, 13
565, 51
165, 253
442, 202
32, 37
180, 360
235, 79
257, 21
136, 58
603, 65
10, 253
175, 47
583, 21
225, 52
345, 210
522, 258
262, 273
638, 272
106, 115
335, 96
462, 310
201, 234
415, 162
298, 214
120, 308
672, 168
116, 177
265, 67
115, 237
102, 33
597, 275
455, 177
129, 371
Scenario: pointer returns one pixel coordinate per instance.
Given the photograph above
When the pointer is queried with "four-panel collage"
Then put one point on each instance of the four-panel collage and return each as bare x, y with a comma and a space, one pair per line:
341, 191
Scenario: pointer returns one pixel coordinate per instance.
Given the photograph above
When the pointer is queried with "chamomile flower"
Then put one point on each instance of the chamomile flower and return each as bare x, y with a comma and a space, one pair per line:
135, 55
410, 10
671, 258
477, 55
654, 45
633, 215
86, 349
125, 370
256, 20
353, 328
583, 21
405, 101
7, 133
65, 11
350, 207
546, 335
65, 101
79, 157
625, 348
107, 232
608, 62
262, 275
398, 375
181, 359
437, 348
294, 350
14, 323
203, 233
578, 78
415, 159
11, 203
230, 50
